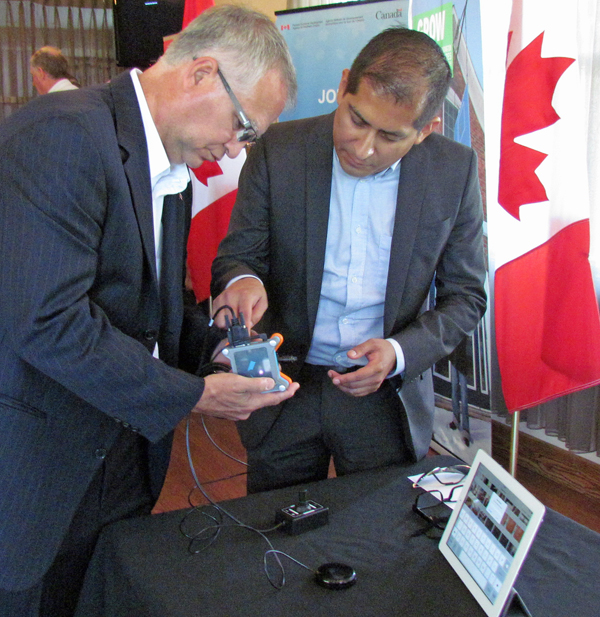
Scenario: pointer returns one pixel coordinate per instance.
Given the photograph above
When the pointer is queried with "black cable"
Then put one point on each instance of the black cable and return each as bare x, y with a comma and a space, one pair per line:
237, 460
219, 525
225, 306
211, 367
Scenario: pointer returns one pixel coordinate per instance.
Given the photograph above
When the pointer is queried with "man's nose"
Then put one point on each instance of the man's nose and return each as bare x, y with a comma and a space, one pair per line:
365, 147
234, 147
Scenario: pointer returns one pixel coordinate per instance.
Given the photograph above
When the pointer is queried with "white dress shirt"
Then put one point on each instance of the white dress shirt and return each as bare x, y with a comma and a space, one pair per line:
165, 179
61, 85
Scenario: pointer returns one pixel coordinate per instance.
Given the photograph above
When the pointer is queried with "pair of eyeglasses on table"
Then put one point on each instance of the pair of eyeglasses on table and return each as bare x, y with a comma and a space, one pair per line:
434, 504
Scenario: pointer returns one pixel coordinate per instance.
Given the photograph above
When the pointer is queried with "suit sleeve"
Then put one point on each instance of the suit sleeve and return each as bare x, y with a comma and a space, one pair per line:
245, 249
460, 297
54, 219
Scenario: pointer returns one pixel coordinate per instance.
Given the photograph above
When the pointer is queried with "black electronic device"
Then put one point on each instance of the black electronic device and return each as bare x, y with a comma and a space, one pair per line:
335, 576
302, 516
140, 26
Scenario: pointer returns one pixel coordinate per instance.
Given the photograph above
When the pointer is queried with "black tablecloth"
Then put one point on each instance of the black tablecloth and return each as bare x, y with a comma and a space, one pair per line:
142, 567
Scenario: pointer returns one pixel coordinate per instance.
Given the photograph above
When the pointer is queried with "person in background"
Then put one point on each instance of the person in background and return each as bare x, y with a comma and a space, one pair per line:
94, 215
341, 224
50, 71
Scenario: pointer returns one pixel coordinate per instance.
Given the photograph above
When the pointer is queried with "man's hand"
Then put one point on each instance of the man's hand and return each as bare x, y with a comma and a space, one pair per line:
247, 296
382, 360
233, 397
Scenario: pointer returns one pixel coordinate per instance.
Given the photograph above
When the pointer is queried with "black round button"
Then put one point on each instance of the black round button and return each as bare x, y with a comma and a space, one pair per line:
335, 576
150, 335
100, 453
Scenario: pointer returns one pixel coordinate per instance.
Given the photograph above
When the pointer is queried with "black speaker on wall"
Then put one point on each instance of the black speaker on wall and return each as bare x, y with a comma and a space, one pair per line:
140, 26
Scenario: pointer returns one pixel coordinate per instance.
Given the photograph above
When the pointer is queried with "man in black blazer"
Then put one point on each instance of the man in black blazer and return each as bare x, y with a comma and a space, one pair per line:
93, 229
346, 220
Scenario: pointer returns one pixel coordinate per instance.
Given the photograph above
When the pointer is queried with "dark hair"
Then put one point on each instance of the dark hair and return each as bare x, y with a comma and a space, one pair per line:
403, 63
51, 61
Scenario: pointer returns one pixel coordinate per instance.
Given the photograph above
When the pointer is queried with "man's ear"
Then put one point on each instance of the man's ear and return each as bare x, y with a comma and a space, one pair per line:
200, 69
428, 129
343, 85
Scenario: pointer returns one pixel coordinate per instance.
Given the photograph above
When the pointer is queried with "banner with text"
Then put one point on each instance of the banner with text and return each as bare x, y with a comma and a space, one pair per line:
324, 41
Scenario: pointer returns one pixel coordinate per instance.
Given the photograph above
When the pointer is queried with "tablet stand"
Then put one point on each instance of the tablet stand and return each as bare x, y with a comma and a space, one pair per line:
515, 607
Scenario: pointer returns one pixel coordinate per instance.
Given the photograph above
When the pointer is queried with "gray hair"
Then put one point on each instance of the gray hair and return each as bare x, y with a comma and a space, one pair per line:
246, 44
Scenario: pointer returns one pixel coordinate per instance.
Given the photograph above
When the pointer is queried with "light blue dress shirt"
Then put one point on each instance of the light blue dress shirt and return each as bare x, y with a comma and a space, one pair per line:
357, 258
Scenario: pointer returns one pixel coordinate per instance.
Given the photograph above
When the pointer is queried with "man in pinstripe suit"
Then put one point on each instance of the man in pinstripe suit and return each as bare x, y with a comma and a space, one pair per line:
93, 228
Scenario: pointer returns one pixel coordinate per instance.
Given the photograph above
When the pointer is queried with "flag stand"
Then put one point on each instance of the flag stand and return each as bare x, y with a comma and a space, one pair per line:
514, 444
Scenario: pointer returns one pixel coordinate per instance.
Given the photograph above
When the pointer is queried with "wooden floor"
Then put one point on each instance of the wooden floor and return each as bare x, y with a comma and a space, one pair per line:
221, 479
216, 472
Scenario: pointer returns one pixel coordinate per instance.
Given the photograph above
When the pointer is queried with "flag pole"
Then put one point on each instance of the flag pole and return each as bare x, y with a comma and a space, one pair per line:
514, 444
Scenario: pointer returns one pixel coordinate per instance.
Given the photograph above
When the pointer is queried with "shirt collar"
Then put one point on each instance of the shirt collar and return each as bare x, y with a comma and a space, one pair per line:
160, 167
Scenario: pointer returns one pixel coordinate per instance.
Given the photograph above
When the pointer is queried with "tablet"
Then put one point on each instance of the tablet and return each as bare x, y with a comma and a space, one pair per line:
489, 533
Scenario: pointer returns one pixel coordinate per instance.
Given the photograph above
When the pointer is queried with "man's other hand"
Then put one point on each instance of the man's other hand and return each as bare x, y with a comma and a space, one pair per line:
248, 296
382, 360
233, 397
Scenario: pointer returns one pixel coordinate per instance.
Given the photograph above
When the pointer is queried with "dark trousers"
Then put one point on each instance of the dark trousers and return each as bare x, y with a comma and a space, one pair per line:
320, 422
120, 489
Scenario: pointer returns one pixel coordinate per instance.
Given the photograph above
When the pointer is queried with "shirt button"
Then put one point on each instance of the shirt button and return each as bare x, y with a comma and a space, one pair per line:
358, 229
354, 279
100, 453
150, 335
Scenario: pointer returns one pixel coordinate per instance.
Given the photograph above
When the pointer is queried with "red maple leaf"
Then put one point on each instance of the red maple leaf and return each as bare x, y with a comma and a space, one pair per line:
207, 170
530, 84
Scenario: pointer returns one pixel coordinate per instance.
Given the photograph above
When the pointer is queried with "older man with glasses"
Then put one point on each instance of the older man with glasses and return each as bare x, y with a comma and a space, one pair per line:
94, 215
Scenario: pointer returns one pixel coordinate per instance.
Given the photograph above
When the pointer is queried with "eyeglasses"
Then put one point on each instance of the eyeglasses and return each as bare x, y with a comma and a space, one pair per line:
248, 133
448, 476
432, 504
432, 507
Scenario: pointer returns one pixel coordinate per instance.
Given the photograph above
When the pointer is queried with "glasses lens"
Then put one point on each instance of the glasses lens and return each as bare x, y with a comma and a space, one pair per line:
247, 134
432, 510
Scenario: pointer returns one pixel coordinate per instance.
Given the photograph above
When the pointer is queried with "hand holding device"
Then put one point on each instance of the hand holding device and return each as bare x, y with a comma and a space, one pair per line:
254, 356
377, 359
245, 296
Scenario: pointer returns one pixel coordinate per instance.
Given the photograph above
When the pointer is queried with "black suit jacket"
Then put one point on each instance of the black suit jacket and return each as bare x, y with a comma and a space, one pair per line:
80, 311
278, 231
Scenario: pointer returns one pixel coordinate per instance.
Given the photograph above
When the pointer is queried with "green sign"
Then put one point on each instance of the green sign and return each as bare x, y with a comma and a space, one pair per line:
438, 25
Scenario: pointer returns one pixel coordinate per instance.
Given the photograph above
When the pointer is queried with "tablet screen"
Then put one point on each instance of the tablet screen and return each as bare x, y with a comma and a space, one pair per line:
490, 532
489, 527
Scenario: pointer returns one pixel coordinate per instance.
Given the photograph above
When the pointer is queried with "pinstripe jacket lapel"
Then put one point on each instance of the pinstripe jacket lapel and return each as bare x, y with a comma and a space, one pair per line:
134, 153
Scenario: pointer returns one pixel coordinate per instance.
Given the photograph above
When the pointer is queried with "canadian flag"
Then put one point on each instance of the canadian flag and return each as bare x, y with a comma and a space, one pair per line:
214, 187
193, 8
546, 312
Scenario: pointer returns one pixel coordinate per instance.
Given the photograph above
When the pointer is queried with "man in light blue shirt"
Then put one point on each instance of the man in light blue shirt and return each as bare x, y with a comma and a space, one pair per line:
342, 223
